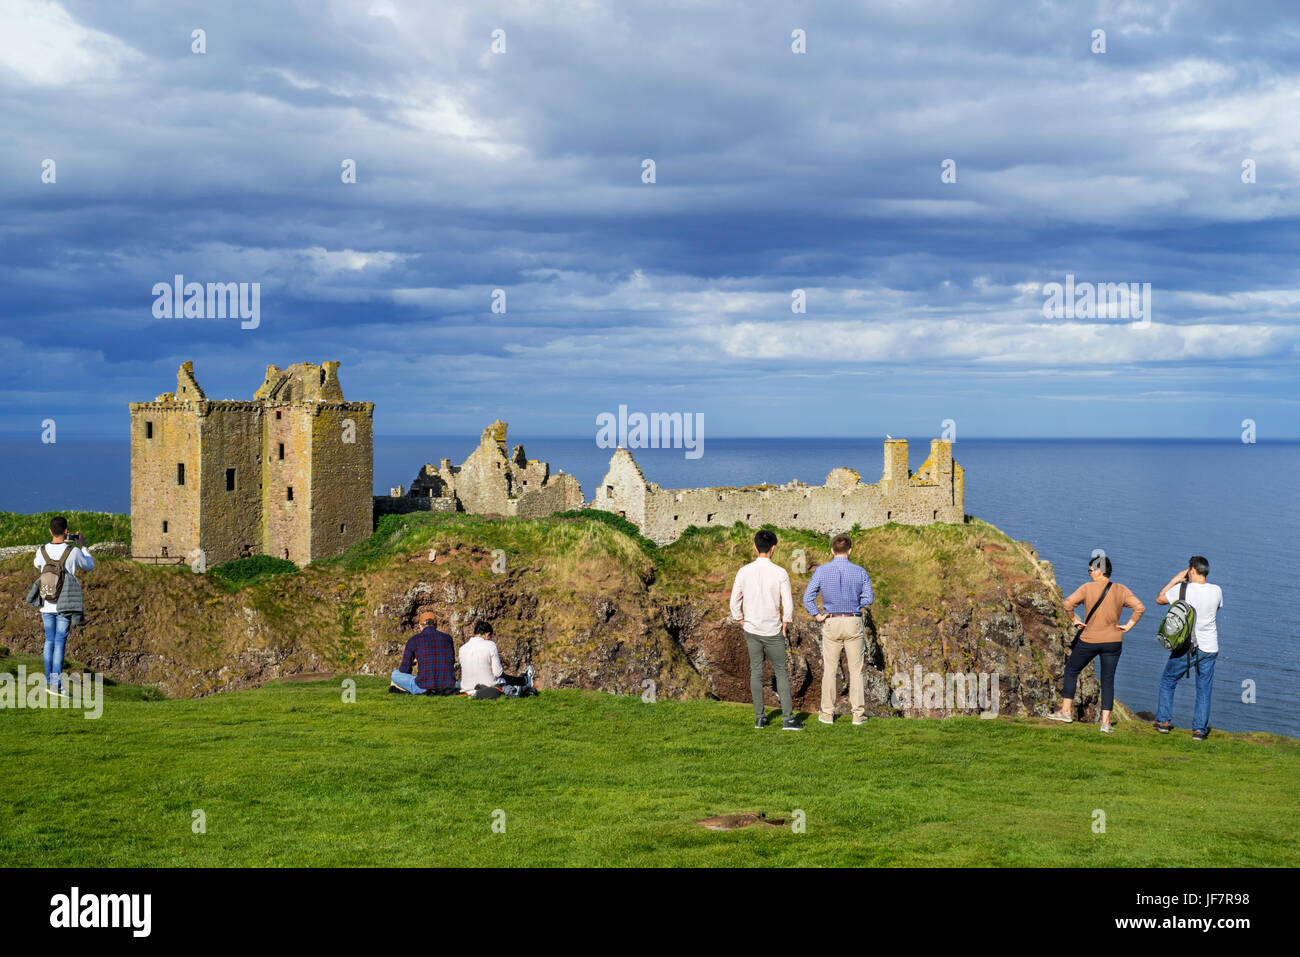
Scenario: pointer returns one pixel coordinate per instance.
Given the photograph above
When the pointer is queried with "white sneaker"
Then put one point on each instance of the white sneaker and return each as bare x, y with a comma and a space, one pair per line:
825, 720
1063, 718
1107, 729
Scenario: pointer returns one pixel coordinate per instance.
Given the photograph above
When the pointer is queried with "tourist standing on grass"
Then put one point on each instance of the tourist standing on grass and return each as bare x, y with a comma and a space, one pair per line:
57, 594
1101, 635
845, 589
1190, 585
434, 655
480, 663
761, 602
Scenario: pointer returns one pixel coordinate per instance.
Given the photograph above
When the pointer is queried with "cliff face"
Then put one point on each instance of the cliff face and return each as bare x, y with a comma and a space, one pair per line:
588, 607
985, 634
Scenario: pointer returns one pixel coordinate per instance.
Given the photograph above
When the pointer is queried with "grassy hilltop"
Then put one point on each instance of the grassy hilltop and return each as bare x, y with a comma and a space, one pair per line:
289, 774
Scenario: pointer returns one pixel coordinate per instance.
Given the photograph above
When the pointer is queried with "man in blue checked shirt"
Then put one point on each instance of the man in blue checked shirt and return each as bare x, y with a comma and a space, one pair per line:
845, 589
434, 654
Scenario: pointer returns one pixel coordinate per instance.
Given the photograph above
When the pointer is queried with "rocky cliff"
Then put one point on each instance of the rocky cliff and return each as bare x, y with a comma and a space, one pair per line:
590, 605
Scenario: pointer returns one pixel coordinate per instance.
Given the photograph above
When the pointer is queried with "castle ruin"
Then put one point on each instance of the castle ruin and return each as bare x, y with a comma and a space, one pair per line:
935, 493
290, 474
287, 474
490, 481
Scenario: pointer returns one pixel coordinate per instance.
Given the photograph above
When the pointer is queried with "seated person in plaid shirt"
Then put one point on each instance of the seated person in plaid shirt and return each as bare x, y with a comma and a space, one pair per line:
435, 655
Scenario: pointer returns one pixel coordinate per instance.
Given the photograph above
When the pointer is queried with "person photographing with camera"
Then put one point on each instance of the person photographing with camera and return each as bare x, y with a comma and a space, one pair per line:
57, 594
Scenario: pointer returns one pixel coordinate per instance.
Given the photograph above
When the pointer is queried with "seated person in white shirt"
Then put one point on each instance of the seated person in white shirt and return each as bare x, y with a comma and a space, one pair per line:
480, 664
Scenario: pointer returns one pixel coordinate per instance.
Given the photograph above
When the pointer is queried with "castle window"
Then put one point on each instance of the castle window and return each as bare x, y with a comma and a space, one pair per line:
277, 413
164, 551
289, 494
795, 515
164, 526
322, 376
677, 518
230, 480
841, 514
281, 451
936, 515
622, 514
148, 430
342, 525
888, 516
180, 473
710, 518
609, 491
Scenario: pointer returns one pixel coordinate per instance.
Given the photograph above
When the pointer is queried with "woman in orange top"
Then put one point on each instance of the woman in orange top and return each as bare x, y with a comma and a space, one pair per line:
1102, 636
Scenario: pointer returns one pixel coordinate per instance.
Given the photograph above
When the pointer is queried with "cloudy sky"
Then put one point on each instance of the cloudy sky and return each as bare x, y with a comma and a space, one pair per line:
774, 171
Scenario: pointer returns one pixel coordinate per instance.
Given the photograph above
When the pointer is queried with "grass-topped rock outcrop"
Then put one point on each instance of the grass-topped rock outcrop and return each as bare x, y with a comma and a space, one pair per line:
584, 598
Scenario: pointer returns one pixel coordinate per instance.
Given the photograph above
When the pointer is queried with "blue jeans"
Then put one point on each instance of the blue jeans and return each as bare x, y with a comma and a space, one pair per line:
1173, 673
56, 639
407, 683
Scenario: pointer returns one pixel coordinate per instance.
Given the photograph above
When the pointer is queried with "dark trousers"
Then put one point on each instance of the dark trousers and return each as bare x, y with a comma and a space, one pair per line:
1082, 653
771, 647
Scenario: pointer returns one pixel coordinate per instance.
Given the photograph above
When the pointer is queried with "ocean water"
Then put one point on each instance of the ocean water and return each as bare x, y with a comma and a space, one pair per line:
1150, 504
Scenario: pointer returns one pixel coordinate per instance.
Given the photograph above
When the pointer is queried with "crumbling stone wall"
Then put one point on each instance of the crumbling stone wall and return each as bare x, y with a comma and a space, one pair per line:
490, 481
936, 493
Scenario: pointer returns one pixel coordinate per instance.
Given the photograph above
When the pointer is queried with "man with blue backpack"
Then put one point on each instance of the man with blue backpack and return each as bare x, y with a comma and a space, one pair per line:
1190, 632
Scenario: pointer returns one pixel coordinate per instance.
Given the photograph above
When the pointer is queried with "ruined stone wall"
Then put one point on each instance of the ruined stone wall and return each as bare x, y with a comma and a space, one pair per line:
934, 494
404, 504
624, 489
559, 494
230, 520
342, 505
484, 482
155, 495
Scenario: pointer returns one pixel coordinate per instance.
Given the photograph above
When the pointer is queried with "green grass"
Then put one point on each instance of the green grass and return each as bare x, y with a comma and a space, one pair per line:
243, 572
630, 529
19, 528
289, 774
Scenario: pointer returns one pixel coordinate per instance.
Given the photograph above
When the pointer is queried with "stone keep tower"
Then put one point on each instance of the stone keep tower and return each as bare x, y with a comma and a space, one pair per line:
288, 474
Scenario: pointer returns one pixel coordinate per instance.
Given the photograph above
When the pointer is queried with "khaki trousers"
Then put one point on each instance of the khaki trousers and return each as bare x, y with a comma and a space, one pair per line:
843, 634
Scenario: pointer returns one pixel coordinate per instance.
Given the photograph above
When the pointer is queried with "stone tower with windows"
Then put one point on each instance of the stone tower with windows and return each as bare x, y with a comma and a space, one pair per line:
288, 474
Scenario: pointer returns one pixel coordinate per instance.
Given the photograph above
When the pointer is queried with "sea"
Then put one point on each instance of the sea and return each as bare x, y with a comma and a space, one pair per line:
1150, 504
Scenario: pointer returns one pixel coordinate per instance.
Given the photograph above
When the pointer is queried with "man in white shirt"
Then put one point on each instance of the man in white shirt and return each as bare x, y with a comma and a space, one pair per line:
58, 616
1206, 599
480, 663
761, 602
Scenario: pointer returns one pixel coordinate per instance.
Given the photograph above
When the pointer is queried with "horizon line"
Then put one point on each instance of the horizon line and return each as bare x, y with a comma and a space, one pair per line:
1284, 439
